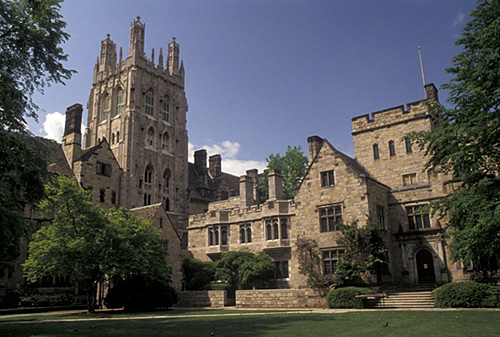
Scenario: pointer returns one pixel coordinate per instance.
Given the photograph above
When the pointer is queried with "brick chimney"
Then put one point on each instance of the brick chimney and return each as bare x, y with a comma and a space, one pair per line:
215, 165
246, 191
315, 143
72, 138
200, 161
275, 185
431, 92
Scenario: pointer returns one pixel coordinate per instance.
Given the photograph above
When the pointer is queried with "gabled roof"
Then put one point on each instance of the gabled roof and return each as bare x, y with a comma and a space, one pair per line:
54, 155
149, 213
353, 164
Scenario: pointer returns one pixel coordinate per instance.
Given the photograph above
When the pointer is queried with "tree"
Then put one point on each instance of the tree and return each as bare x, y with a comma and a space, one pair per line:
22, 169
31, 32
293, 167
245, 269
365, 253
92, 246
197, 273
310, 265
466, 141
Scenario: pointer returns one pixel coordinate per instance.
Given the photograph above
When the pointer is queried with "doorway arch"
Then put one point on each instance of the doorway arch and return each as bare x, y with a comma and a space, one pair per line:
425, 267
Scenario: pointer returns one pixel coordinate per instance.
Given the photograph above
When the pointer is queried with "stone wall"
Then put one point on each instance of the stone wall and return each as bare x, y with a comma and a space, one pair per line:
204, 298
279, 298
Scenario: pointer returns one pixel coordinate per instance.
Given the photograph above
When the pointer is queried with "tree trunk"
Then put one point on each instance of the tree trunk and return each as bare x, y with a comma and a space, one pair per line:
91, 297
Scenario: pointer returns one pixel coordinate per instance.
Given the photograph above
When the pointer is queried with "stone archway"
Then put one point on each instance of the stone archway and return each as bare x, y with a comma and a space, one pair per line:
425, 267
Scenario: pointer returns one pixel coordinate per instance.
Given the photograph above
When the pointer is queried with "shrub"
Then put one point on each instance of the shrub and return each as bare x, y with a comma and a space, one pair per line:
462, 295
9, 296
197, 273
346, 297
140, 294
218, 286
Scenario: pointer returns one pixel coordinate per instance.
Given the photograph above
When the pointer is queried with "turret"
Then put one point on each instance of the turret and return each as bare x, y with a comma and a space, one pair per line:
108, 54
137, 39
173, 57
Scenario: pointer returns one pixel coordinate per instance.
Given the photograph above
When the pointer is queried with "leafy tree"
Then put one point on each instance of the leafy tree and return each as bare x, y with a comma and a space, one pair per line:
310, 265
197, 273
92, 246
31, 32
293, 167
245, 269
466, 140
21, 172
364, 252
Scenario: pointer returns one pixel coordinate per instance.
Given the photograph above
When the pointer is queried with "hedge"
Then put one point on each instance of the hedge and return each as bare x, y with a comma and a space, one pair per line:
346, 297
466, 295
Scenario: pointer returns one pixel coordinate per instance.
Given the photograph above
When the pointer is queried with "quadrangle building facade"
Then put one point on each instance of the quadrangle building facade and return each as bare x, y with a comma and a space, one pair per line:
135, 155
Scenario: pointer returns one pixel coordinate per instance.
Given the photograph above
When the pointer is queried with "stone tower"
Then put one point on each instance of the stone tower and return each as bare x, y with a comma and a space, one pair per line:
139, 105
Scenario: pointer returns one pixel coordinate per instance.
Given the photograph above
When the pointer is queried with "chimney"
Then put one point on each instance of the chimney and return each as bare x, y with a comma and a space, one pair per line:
431, 92
315, 143
275, 185
246, 191
254, 176
72, 138
215, 167
200, 161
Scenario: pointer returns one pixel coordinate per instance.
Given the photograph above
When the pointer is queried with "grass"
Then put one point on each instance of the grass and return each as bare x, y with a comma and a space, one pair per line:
362, 323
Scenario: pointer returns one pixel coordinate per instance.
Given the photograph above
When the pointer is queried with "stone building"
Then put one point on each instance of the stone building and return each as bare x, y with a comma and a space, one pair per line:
139, 106
385, 183
241, 223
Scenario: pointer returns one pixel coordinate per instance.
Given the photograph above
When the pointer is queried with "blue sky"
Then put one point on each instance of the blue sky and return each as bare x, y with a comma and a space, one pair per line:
264, 74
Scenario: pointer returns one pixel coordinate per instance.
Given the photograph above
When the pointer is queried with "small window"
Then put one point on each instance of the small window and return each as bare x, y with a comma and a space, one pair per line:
102, 194
147, 174
327, 178
284, 229
417, 219
281, 269
376, 154
330, 217
408, 146
161, 222
245, 233
409, 179
381, 216
113, 197
330, 260
117, 136
392, 149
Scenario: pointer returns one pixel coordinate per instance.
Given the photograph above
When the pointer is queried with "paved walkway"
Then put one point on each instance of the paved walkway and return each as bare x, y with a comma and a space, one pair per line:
243, 312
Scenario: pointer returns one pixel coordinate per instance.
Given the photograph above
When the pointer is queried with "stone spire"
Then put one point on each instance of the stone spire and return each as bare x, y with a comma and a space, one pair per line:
137, 38
173, 57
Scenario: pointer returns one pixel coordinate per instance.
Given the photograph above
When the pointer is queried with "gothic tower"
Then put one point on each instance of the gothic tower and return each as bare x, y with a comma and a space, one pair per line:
139, 106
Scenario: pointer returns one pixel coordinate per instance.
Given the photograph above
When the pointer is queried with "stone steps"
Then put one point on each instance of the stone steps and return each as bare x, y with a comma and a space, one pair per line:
408, 300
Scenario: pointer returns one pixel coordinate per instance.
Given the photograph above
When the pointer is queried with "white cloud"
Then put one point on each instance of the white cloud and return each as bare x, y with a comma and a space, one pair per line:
229, 152
459, 19
54, 126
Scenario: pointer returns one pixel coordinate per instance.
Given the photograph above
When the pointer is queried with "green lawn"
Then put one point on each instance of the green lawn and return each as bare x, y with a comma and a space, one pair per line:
368, 323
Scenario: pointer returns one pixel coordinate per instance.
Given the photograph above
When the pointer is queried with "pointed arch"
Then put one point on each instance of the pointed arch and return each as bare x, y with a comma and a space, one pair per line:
165, 109
150, 137
119, 102
106, 106
166, 178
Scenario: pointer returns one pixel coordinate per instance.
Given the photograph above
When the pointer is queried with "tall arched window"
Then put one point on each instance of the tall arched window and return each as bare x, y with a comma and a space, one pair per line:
119, 102
284, 229
249, 234
275, 230
149, 104
113, 138
392, 149
165, 109
166, 178
223, 236
376, 154
117, 136
147, 174
164, 141
106, 102
150, 137
242, 234
269, 231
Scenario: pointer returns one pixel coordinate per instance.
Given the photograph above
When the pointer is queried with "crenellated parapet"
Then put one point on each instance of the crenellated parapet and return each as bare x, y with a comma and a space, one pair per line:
389, 117
237, 214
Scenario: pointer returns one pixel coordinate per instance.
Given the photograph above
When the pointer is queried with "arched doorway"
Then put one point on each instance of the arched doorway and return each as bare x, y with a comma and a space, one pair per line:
425, 267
